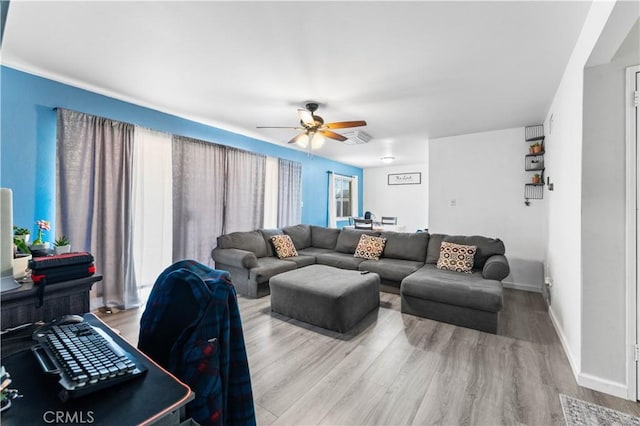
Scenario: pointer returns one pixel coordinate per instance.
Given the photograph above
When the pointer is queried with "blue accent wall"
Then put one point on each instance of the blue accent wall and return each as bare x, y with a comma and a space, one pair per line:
28, 138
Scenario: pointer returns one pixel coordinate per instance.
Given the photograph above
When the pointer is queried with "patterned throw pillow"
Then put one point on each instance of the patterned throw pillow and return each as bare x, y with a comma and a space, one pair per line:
370, 247
284, 246
456, 257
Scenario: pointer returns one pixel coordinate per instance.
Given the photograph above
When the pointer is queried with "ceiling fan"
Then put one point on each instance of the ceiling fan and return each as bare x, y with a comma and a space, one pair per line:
314, 129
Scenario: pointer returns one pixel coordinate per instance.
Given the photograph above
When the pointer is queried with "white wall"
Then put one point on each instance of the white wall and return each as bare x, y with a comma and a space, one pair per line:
410, 203
604, 347
563, 161
483, 174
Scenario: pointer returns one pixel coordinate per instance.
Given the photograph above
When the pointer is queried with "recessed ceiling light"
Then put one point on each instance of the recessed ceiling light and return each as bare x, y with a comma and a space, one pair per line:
387, 159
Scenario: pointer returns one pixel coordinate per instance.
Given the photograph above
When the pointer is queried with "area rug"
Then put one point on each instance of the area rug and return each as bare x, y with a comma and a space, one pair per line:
578, 412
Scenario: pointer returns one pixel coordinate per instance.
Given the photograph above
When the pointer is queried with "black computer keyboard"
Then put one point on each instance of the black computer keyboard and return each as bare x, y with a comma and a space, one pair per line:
85, 358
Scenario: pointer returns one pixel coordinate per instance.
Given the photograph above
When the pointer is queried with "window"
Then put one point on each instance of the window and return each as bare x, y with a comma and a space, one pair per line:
343, 197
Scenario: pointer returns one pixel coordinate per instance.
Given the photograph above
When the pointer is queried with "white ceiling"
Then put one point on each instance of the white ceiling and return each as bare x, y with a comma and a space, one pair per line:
413, 70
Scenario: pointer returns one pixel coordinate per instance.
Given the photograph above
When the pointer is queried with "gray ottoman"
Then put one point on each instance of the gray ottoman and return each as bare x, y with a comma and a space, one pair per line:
325, 296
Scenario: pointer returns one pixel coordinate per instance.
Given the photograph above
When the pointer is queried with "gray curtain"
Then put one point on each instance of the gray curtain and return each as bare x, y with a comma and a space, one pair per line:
244, 192
198, 198
289, 193
94, 199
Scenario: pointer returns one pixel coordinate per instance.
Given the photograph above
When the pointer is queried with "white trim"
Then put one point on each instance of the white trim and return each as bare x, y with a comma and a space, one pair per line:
603, 385
523, 286
565, 345
631, 236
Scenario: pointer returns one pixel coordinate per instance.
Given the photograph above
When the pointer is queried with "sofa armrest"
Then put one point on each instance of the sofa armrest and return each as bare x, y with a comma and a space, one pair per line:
235, 257
496, 268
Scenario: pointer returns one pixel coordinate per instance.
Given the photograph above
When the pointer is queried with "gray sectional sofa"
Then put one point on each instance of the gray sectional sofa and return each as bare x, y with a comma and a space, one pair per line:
407, 266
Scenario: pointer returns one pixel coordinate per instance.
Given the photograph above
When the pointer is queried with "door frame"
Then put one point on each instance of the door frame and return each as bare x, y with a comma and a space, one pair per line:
633, 320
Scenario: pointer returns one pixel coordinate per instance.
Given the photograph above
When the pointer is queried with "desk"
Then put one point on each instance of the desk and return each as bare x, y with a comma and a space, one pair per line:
68, 297
155, 397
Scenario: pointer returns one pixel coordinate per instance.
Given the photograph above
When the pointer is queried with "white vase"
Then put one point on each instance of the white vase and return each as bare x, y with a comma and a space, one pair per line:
62, 249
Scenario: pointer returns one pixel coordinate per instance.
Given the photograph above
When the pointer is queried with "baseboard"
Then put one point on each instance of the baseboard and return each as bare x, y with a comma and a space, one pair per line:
603, 385
522, 286
575, 368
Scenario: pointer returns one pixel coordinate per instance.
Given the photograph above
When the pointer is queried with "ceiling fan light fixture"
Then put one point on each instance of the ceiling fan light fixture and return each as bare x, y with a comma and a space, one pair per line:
316, 141
387, 159
306, 117
303, 141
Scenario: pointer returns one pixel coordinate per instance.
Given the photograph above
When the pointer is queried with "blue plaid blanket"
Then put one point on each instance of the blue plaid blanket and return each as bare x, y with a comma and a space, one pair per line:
208, 354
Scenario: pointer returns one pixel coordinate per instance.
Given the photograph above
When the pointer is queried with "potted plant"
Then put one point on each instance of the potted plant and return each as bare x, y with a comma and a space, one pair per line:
536, 148
535, 179
61, 245
21, 234
21, 244
38, 243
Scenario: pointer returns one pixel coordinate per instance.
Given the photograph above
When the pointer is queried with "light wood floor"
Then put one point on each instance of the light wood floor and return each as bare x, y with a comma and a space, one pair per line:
397, 369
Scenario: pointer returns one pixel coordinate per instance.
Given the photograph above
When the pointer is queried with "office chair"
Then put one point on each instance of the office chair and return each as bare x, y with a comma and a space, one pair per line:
203, 346
363, 223
389, 220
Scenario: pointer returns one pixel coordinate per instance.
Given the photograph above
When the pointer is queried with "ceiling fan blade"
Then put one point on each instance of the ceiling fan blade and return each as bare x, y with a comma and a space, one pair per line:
277, 127
332, 135
306, 117
300, 139
345, 124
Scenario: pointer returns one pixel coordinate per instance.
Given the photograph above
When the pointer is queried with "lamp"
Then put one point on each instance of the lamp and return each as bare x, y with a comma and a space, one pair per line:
387, 160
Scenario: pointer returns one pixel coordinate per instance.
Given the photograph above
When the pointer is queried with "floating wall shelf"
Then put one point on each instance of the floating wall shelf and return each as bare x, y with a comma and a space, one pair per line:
534, 162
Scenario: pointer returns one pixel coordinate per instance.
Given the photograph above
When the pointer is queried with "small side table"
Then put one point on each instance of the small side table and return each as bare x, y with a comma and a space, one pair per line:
67, 297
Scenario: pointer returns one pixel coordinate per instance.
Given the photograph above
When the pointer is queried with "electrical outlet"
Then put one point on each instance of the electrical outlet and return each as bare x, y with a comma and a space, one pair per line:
452, 202
548, 281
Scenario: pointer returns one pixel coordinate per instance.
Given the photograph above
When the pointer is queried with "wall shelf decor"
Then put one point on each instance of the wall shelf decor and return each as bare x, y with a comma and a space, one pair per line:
534, 162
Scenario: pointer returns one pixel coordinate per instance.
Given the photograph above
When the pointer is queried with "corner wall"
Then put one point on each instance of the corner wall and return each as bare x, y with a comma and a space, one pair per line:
483, 174
563, 161
409, 203
604, 288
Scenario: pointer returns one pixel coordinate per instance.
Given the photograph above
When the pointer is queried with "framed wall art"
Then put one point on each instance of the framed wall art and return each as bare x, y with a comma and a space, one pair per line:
404, 178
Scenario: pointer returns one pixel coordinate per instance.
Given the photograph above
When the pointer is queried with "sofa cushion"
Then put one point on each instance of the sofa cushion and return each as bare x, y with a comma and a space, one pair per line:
369, 247
313, 251
349, 238
268, 267
391, 269
302, 261
433, 248
339, 260
300, 235
325, 238
469, 290
456, 257
283, 246
486, 246
250, 241
267, 234
407, 246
